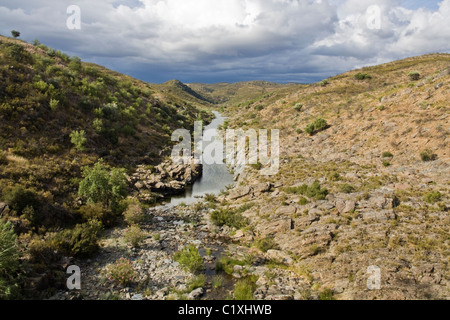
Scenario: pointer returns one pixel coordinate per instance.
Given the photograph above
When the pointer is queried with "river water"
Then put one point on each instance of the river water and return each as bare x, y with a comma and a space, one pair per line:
215, 178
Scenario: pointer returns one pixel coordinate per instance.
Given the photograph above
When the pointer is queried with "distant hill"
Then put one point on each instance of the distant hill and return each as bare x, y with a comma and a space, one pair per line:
240, 92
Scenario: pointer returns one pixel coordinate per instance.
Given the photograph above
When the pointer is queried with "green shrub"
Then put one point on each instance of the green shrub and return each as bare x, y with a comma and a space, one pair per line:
121, 272
134, 214
81, 241
387, 154
386, 163
324, 83
18, 198
313, 191
190, 258
17, 53
78, 138
433, 197
244, 289
303, 201
42, 251
198, 281
266, 244
227, 264
134, 236
428, 155
362, 76
414, 75
228, 217
9, 257
298, 107
317, 126
326, 294
95, 211
54, 105
217, 281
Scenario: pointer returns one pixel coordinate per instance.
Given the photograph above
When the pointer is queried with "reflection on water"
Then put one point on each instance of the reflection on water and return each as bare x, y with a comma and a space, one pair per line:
215, 176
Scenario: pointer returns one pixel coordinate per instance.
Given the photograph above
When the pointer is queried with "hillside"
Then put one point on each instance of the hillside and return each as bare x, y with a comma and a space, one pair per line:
59, 115
364, 181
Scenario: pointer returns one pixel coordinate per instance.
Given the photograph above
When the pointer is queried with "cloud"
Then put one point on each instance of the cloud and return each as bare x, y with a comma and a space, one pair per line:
232, 40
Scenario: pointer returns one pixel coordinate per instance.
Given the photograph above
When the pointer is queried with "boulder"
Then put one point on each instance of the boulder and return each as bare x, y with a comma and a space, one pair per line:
286, 210
274, 227
239, 193
196, 294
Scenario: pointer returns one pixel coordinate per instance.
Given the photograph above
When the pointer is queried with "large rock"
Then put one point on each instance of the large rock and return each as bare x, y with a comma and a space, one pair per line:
239, 193
286, 210
344, 206
274, 227
262, 188
196, 294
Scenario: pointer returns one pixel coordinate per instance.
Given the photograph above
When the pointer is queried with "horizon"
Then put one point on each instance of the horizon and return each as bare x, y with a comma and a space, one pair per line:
295, 41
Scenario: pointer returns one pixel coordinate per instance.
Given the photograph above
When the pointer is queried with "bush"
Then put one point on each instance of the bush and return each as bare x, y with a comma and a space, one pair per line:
428, 155
121, 272
217, 281
196, 282
415, 75
326, 294
81, 241
54, 105
313, 191
433, 197
78, 138
18, 198
42, 251
362, 76
17, 53
134, 236
298, 107
244, 289
9, 256
317, 126
387, 154
190, 258
227, 264
134, 214
228, 218
266, 244
95, 211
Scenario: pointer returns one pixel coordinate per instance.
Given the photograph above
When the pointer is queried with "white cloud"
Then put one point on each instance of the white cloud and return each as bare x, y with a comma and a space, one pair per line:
258, 38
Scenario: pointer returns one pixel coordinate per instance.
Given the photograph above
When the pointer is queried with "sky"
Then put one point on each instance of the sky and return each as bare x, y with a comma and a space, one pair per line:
213, 41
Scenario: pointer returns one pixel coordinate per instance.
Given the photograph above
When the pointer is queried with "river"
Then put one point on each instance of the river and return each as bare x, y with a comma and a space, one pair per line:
215, 178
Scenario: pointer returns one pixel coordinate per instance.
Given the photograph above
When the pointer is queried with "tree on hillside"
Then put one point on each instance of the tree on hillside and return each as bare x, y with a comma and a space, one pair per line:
15, 34
101, 184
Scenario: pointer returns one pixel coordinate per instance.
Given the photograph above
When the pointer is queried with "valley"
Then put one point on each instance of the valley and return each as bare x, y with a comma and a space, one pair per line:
86, 179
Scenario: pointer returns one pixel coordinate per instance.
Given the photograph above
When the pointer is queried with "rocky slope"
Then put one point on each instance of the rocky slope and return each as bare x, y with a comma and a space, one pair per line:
371, 189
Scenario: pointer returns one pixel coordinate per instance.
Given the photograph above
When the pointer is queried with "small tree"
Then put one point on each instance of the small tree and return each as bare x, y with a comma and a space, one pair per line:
78, 138
101, 184
15, 34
